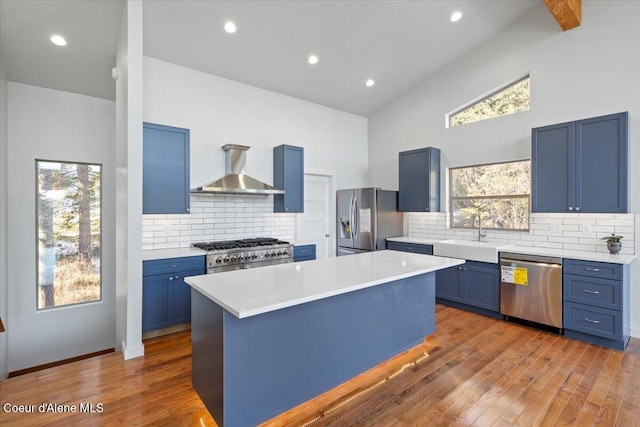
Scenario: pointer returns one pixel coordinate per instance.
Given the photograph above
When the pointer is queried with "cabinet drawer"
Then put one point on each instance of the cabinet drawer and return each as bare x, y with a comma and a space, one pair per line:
172, 265
410, 247
593, 320
592, 269
594, 291
304, 251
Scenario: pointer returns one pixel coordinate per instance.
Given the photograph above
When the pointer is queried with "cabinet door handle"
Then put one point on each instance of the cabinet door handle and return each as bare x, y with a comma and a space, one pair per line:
592, 269
577, 208
591, 321
177, 277
570, 208
172, 265
588, 291
170, 277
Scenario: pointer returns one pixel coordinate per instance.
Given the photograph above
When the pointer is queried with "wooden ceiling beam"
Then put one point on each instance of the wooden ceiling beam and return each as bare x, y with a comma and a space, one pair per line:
568, 13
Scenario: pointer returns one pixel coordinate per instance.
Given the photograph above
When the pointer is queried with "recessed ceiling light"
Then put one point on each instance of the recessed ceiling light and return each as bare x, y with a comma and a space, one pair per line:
313, 59
455, 16
370, 82
230, 27
58, 40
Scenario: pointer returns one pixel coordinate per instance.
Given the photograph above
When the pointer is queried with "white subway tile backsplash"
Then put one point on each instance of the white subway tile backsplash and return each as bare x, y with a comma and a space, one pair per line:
570, 231
217, 217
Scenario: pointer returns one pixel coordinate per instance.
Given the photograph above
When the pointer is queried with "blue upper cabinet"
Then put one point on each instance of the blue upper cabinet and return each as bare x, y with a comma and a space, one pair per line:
165, 176
288, 175
581, 166
419, 181
601, 161
552, 168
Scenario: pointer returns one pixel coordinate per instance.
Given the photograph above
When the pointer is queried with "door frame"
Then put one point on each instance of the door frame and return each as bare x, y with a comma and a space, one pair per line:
331, 220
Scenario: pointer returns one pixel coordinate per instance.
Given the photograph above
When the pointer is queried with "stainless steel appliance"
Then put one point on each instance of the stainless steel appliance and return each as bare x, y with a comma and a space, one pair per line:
366, 217
235, 180
246, 253
531, 288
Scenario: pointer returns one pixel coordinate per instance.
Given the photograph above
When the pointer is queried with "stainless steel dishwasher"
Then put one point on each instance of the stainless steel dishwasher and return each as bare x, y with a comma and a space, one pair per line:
531, 288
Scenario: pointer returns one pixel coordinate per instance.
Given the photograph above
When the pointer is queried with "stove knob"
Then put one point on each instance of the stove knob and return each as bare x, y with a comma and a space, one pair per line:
254, 256
274, 253
218, 260
286, 252
226, 259
267, 254
233, 258
280, 253
241, 258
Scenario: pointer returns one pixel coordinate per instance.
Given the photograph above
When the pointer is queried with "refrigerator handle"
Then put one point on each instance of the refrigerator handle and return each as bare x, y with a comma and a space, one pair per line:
355, 226
351, 230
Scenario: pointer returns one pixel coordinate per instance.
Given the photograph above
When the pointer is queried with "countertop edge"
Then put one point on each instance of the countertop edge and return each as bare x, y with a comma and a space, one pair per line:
155, 254
241, 314
533, 250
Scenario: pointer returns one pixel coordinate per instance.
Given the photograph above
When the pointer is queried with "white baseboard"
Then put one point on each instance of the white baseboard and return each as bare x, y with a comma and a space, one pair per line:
133, 351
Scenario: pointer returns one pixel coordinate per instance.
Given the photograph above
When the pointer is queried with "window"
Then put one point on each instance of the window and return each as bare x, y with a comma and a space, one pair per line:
505, 101
69, 233
497, 193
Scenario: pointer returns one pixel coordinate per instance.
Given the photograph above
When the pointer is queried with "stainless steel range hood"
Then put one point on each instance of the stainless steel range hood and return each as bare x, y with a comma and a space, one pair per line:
235, 181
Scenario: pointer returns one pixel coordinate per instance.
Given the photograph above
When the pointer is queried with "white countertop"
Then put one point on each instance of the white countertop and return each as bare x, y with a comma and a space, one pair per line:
171, 253
581, 255
561, 253
407, 239
254, 291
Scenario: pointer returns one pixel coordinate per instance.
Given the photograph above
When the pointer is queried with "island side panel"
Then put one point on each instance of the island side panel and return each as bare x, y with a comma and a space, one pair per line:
207, 369
277, 360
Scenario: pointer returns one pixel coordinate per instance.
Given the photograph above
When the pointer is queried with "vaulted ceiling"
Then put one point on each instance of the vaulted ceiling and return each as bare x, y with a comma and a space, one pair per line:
395, 43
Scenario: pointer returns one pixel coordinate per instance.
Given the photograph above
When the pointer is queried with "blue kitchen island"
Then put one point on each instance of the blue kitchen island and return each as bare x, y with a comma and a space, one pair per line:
267, 339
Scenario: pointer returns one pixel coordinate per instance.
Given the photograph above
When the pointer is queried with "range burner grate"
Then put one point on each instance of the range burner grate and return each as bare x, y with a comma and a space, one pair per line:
238, 244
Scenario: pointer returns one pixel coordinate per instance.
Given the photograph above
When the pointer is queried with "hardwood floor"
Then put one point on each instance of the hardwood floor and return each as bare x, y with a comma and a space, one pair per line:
472, 371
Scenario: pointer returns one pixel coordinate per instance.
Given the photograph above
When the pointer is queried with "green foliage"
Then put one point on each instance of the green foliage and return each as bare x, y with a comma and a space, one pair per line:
509, 100
498, 193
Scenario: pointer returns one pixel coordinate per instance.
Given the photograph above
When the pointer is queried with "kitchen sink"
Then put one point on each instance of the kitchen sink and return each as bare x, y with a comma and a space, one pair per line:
469, 250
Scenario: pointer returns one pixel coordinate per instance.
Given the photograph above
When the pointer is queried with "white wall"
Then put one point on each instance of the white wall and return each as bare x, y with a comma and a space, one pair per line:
53, 125
128, 231
588, 71
219, 111
4, 353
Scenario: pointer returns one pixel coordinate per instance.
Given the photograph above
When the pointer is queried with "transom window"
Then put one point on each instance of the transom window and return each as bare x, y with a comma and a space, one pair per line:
69, 210
507, 100
495, 195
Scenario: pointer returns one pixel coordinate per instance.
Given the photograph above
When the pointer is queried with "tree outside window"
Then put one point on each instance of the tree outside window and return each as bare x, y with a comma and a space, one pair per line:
69, 233
497, 195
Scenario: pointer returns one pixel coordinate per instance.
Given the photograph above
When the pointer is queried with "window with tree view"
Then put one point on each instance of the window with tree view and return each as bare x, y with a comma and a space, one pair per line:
69, 233
495, 195
508, 100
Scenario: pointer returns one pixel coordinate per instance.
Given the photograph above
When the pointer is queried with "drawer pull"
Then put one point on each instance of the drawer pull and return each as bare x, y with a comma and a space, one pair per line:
172, 265
588, 291
591, 321
170, 277
591, 269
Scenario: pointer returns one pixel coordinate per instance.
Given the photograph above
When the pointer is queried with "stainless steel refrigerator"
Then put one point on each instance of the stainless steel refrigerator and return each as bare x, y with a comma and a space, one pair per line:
366, 217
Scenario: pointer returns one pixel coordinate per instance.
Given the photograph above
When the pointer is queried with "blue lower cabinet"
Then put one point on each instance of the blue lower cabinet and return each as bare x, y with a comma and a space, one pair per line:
473, 286
596, 302
156, 297
304, 253
166, 298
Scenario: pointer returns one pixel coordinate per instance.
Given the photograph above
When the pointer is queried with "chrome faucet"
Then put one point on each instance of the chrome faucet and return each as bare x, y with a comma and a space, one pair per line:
482, 236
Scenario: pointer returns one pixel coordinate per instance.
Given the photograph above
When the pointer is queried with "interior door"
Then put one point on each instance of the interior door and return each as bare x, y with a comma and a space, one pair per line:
313, 225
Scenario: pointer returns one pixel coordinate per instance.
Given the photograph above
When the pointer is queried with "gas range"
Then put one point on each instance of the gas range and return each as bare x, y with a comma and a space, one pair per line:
246, 253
